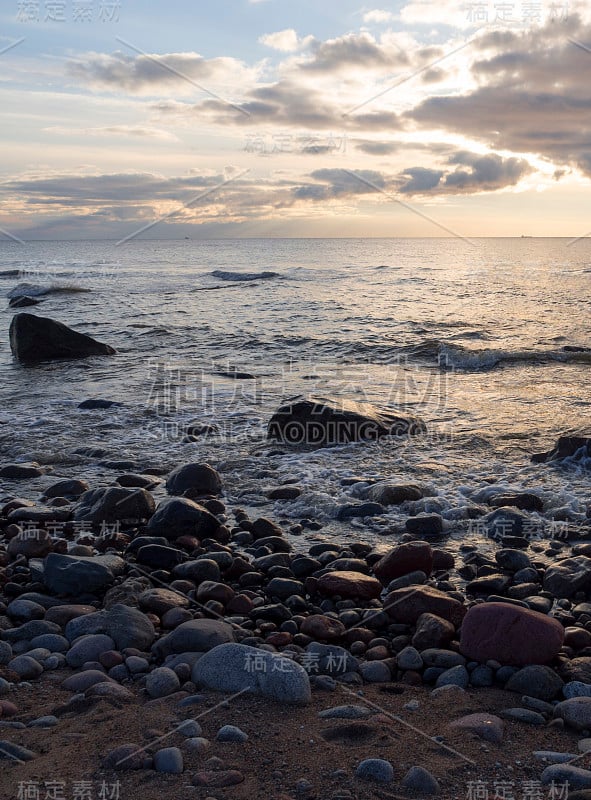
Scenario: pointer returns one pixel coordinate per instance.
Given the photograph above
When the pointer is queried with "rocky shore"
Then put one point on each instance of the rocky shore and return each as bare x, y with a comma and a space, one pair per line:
184, 647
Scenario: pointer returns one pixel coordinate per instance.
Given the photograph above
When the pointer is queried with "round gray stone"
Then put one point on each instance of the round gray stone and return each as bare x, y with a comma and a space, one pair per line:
375, 769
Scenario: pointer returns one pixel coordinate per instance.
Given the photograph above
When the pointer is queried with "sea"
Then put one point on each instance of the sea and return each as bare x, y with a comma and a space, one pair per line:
486, 340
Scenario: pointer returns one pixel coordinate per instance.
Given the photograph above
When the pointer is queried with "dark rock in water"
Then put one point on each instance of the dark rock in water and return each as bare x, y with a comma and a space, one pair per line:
360, 510
200, 478
524, 501
76, 575
568, 576
21, 471
318, 421
114, 504
506, 522
179, 517
390, 494
236, 375
97, 403
427, 525
565, 447
510, 635
23, 302
226, 275
66, 488
35, 339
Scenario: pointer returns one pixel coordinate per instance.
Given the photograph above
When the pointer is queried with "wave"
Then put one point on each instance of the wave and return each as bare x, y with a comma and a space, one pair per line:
224, 275
466, 359
11, 273
34, 290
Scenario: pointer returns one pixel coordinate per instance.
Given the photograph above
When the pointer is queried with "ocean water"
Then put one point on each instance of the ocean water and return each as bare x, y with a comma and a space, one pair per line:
483, 340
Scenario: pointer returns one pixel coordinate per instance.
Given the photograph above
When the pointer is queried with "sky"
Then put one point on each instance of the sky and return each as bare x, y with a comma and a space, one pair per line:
268, 118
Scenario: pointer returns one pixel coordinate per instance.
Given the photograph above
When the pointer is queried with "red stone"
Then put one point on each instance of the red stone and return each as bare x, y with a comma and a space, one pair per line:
216, 780
321, 628
349, 584
406, 605
510, 634
7, 709
403, 559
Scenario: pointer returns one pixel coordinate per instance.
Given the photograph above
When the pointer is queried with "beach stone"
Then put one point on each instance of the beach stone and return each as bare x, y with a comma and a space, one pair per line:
349, 584
559, 774
410, 658
29, 630
16, 472
525, 715
505, 521
432, 631
512, 560
159, 556
318, 421
406, 558
443, 659
576, 689
24, 610
128, 627
190, 728
577, 669
115, 504
4, 687
567, 577
407, 605
412, 579
217, 779
111, 691
52, 642
127, 757
78, 575
88, 648
482, 676
200, 478
510, 634
375, 672
135, 664
231, 668
488, 727
325, 629
36, 545
284, 493
576, 712
222, 593
82, 681
456, 676
376, 770
159, 601
14, 752
425, 525
169, 760
536, 681
230, 733
71, 487
25, 667
161, 682
48, 721
34, 338
284, 588
7, 709
182, 517
420, 780
393, 494
196, 636
62, 614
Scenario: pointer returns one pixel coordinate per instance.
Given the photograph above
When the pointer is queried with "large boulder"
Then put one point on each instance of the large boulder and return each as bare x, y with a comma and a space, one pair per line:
238, 667
181, 517
115, 505
408, 604
319, 421
76, 575
127, 627
199, 478
404, 559
569, 576
510, 635
34, 338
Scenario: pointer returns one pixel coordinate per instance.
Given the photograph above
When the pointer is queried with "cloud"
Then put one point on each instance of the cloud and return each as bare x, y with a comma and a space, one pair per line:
115, 130
378, 15
465, 173
355, 51
152, 74
286, 41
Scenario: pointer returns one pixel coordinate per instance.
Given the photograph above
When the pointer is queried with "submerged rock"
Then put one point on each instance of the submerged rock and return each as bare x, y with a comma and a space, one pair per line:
34, 338
318, 421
